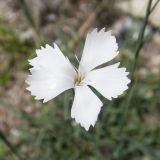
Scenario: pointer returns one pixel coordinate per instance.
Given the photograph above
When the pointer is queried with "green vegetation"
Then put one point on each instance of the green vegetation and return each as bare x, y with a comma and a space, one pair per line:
47, 131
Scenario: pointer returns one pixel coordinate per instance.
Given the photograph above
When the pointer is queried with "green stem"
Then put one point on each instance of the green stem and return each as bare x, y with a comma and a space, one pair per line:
66, 106
154, 6
10, 146
126, 104
140, 43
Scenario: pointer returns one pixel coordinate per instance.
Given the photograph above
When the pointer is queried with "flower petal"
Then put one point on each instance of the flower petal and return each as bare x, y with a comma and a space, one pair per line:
53, 60
51, 74
100, 47
86, 106
110, 81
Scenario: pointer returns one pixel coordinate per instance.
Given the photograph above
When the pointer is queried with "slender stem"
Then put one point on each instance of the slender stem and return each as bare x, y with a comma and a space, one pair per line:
140, 44
27, 12
154, 6
140, 41
66, 106
10, 146
28, 15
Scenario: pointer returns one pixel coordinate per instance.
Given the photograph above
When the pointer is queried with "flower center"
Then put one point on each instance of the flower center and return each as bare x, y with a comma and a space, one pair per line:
78, 80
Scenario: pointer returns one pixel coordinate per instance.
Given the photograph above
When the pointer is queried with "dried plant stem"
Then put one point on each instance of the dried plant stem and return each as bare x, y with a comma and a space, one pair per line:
28, 14
89, 21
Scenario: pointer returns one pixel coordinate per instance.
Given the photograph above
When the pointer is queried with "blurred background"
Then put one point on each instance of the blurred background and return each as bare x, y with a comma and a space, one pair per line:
31, 130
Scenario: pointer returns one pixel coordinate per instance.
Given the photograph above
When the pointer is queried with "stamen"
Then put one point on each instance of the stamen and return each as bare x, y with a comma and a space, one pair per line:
78, 80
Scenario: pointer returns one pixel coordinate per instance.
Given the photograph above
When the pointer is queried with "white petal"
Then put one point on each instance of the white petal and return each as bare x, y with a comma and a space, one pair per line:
110, 81
86, 106
100, 47
52, 59
51, 74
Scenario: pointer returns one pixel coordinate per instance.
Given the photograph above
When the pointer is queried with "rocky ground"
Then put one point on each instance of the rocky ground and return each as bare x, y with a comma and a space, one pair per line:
67, 22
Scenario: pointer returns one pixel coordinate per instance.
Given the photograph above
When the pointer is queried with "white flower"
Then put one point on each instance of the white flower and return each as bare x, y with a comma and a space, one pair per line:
52, 74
